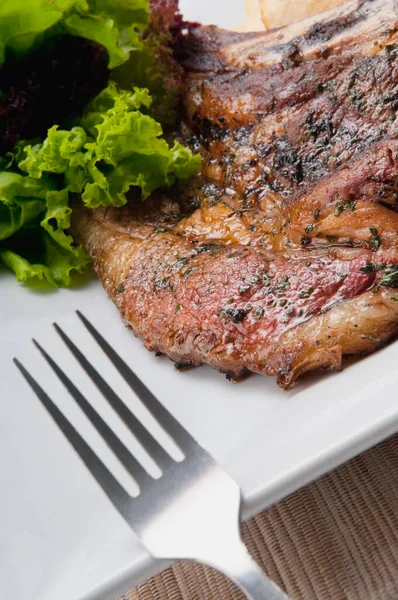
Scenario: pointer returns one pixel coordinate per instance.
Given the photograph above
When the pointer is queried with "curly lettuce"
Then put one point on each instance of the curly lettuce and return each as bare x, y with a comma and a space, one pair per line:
114, 146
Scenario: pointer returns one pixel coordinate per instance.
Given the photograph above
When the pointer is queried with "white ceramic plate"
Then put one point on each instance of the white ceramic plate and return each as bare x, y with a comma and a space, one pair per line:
61, 539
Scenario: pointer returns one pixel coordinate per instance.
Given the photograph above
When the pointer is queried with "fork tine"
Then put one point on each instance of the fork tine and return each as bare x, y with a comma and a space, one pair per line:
151, 445
180, 435
123, 454
112, 488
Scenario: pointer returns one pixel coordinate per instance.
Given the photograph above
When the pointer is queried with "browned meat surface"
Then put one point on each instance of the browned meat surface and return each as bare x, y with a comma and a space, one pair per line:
282, 256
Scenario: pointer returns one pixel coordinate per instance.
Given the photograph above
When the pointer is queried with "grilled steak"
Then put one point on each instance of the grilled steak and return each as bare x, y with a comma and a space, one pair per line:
282, 256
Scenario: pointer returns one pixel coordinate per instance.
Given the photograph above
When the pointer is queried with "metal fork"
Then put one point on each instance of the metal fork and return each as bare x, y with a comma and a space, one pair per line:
192, 511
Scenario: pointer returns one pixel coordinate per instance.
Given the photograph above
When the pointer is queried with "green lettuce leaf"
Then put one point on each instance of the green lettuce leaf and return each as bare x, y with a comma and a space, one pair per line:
23, 269
116, 147
33, 220
23, 199
55, 262
116, 25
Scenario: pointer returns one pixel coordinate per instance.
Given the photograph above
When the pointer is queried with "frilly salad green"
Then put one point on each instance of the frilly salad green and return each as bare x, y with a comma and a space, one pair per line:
113, 146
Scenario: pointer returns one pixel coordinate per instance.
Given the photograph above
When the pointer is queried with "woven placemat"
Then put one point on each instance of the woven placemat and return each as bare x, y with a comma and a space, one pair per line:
336, 539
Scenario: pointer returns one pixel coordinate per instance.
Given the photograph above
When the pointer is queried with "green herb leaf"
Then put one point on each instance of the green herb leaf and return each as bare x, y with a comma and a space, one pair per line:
390, 277
375, 241
372, 268
307, 293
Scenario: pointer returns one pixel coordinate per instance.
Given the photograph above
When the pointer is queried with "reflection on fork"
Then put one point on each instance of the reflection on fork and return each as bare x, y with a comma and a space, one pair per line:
191, 511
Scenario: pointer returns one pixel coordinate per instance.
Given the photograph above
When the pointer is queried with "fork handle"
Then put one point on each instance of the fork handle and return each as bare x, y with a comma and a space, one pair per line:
239, 566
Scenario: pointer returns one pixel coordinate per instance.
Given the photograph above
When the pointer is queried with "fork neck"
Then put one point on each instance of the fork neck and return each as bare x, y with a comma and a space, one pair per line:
234, 561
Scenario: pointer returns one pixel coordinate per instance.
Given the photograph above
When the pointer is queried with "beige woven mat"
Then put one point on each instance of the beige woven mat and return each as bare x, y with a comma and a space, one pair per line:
337, 539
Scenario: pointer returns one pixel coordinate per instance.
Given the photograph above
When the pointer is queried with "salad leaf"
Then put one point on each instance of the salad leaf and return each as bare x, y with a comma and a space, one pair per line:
115, 148
114, 24
35, 219
24, 269
23, 199
55, 264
